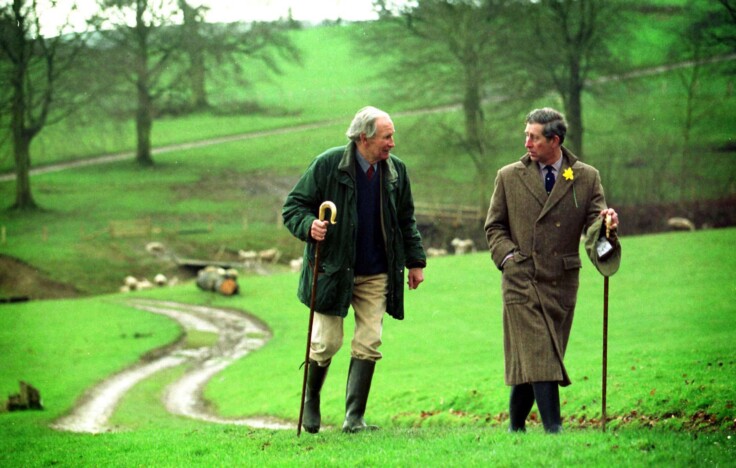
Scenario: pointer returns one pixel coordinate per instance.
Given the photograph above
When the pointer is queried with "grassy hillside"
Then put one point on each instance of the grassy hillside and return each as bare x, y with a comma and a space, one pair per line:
438, 392
232, 192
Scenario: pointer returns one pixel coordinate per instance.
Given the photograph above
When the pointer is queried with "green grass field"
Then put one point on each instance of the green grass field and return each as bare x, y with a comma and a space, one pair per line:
438, 392
237, 188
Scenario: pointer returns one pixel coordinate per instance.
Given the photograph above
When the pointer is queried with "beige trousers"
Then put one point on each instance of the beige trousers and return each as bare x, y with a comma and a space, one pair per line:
369, 305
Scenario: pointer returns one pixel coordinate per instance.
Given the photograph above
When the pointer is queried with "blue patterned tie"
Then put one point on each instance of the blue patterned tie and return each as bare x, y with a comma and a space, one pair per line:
549, 179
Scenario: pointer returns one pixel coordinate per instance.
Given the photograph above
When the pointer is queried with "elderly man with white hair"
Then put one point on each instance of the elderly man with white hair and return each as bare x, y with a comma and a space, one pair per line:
363, 260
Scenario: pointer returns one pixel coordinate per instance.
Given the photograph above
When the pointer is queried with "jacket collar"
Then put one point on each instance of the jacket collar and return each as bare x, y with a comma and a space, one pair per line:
347, 166
529, 174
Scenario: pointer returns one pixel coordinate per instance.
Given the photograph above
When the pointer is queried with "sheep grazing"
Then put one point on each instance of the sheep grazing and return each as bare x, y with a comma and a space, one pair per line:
681, 224
296, 264
156, 248
434, 252
160, 280
270, 255
247, 255
131, 283
463, 246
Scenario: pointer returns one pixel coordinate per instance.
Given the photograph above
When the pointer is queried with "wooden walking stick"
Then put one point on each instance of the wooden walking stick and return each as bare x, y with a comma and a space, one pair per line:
605, 348
605, 336
333, 210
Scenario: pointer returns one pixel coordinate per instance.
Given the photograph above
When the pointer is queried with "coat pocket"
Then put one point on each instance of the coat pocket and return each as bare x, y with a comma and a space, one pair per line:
327, 299
568, 288
515, 281
572, 262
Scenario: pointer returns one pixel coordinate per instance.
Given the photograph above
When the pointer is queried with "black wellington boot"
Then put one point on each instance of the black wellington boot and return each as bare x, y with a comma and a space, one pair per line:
547, 395
315, 378
356, 395
520, 404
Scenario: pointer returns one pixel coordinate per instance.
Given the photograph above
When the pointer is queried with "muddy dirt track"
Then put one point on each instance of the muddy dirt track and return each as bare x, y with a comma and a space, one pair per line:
238, 334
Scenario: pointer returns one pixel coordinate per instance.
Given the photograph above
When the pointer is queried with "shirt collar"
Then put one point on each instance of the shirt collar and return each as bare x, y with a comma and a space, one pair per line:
555, 167
363, 163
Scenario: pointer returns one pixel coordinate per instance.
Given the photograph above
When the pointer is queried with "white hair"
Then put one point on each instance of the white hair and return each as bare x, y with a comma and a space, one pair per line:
365, 122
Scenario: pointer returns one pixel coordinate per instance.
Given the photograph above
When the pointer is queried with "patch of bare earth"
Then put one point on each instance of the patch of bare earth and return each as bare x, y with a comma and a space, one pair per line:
21, 281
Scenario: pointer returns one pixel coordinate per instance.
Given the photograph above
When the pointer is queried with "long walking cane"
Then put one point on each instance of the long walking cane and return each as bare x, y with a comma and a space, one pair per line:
605, 349
605, 336
333, 210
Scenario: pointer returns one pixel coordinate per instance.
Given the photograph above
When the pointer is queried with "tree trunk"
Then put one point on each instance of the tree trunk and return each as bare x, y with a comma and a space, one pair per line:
21, 150
193, 47
143, 126
21, 139
144, 113
474, 124
574, 110
197, 76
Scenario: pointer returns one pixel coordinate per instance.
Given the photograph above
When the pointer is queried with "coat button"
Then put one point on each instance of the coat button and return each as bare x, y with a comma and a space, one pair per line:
557, 224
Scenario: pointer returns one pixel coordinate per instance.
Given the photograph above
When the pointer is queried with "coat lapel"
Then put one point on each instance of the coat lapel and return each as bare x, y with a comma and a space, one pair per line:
562, 185
529, 175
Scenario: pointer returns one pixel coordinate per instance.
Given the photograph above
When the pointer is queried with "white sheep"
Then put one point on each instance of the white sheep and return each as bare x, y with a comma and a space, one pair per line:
155, 248
270, 255
131, 283
463, 246
434, 252
681, 223
296, 264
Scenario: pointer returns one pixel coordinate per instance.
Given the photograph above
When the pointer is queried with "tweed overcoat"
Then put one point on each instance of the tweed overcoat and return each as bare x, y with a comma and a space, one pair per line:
540, 283
331, 176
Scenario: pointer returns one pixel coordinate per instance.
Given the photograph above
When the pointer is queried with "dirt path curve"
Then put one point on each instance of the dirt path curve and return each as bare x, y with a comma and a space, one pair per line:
238, 334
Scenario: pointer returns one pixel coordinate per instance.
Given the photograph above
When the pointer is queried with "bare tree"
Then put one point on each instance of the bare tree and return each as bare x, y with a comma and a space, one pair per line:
725, 24
194, 45
564, 43
709, 34
225, 47
144, 47
34, 66
448, 50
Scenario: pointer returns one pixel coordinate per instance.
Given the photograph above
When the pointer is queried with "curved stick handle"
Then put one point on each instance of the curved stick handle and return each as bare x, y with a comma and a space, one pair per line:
333, 210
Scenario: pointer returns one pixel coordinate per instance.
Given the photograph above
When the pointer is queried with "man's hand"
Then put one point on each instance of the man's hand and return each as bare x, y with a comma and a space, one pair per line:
416, 276
610, 218
318, 230
614, 218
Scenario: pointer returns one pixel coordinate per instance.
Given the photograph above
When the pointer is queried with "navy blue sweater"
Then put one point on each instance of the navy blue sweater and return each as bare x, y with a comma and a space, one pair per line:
370, 252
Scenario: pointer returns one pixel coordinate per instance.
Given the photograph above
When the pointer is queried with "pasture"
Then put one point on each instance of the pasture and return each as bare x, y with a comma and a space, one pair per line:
227, 196
438, 392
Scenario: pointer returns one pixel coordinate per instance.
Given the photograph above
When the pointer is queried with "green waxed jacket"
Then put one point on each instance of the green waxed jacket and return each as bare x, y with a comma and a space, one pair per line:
331, 177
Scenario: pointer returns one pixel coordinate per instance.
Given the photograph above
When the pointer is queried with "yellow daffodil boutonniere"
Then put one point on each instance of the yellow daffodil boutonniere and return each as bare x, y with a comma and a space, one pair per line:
568, 175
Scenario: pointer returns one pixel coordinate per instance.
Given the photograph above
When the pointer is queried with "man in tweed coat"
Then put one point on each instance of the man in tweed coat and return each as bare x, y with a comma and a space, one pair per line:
540, 207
